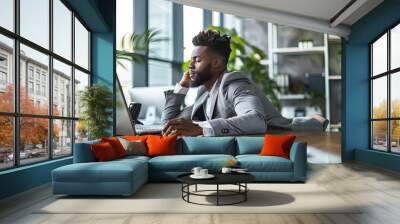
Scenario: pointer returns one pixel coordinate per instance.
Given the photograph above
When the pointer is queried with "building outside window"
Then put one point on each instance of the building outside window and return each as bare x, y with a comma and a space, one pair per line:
385, 96
30, 87
34, 79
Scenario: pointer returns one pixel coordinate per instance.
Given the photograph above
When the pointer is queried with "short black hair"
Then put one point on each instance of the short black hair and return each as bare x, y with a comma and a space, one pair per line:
220, 45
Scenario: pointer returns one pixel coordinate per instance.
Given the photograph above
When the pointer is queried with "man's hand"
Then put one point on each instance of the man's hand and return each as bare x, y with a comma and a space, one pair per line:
182, 127
185, 81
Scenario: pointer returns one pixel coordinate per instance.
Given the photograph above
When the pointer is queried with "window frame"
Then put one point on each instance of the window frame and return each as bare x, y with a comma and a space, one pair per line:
16, 115
388, 74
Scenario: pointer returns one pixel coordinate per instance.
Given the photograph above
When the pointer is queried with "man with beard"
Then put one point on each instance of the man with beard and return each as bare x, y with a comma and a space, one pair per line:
227, 103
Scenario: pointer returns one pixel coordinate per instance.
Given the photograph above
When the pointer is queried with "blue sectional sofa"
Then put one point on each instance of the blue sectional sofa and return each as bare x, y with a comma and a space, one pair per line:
125, 176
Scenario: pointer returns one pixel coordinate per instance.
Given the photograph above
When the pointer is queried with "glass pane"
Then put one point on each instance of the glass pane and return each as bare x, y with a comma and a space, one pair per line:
33, 139
395, 47
253, 31
395, 135
216, 18
6, 142
62, 29
379, 135
395, 94
124, 20
379, 56
81, 45
233, 22
81, 131
62, 138
160, 73
35, 21
62, 89
160, 19
192, 25
293, 37
6, 74
379, 98
335, 57
34, 81
7, 14
81, 81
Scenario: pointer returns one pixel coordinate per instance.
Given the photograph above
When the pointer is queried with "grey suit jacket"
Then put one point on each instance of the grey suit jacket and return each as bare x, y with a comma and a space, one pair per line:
238, 107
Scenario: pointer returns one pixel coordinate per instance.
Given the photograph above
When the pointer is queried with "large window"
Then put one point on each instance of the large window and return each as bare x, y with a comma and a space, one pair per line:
385, 96
40, 80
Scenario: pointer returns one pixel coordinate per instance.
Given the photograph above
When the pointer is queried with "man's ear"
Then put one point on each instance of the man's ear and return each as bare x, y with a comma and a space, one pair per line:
217, 62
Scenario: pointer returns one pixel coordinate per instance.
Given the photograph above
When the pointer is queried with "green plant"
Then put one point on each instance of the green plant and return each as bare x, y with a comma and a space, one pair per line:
135, 47
247, 58
96, 102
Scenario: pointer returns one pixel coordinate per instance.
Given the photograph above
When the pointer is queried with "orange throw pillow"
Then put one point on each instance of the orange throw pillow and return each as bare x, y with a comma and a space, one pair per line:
161, 145
116, 145
277, 145
103, 151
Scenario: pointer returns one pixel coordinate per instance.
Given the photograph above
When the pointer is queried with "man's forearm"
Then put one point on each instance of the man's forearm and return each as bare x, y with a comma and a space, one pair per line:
173, 102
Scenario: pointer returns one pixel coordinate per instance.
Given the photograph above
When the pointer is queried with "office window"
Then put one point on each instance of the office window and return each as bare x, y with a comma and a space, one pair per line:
40, 61
385, 97
62, 137
44, 132
6, 71
62, 29
81, 81
160, 19
6, 142
395, 47
7, 14
191, 27
35, 21
81, 45
63, 72
34, 145
160, 73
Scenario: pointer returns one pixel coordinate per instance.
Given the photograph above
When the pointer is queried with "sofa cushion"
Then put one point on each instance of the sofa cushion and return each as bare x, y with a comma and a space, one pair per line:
116, 145
161, 145
257, 163
207, 145
134, 147
249, 145
111, 171
103, 152
185, 163
277, 145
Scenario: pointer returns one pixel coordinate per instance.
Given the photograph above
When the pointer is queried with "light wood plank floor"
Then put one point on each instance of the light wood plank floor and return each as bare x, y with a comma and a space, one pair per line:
378, 189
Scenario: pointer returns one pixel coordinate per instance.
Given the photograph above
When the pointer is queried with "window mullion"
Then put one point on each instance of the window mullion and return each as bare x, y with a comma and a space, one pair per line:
389, 113
50, 81
73, 81
16, 84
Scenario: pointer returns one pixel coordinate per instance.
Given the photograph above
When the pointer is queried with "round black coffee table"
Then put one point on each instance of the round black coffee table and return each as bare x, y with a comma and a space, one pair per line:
238, 179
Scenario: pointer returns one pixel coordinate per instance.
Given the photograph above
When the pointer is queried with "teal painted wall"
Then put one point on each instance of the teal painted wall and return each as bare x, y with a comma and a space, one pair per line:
99, 15
356, 83
24, 178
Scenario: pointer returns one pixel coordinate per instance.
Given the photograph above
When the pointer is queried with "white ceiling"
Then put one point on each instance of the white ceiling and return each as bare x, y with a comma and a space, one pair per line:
307, 14
320, 9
